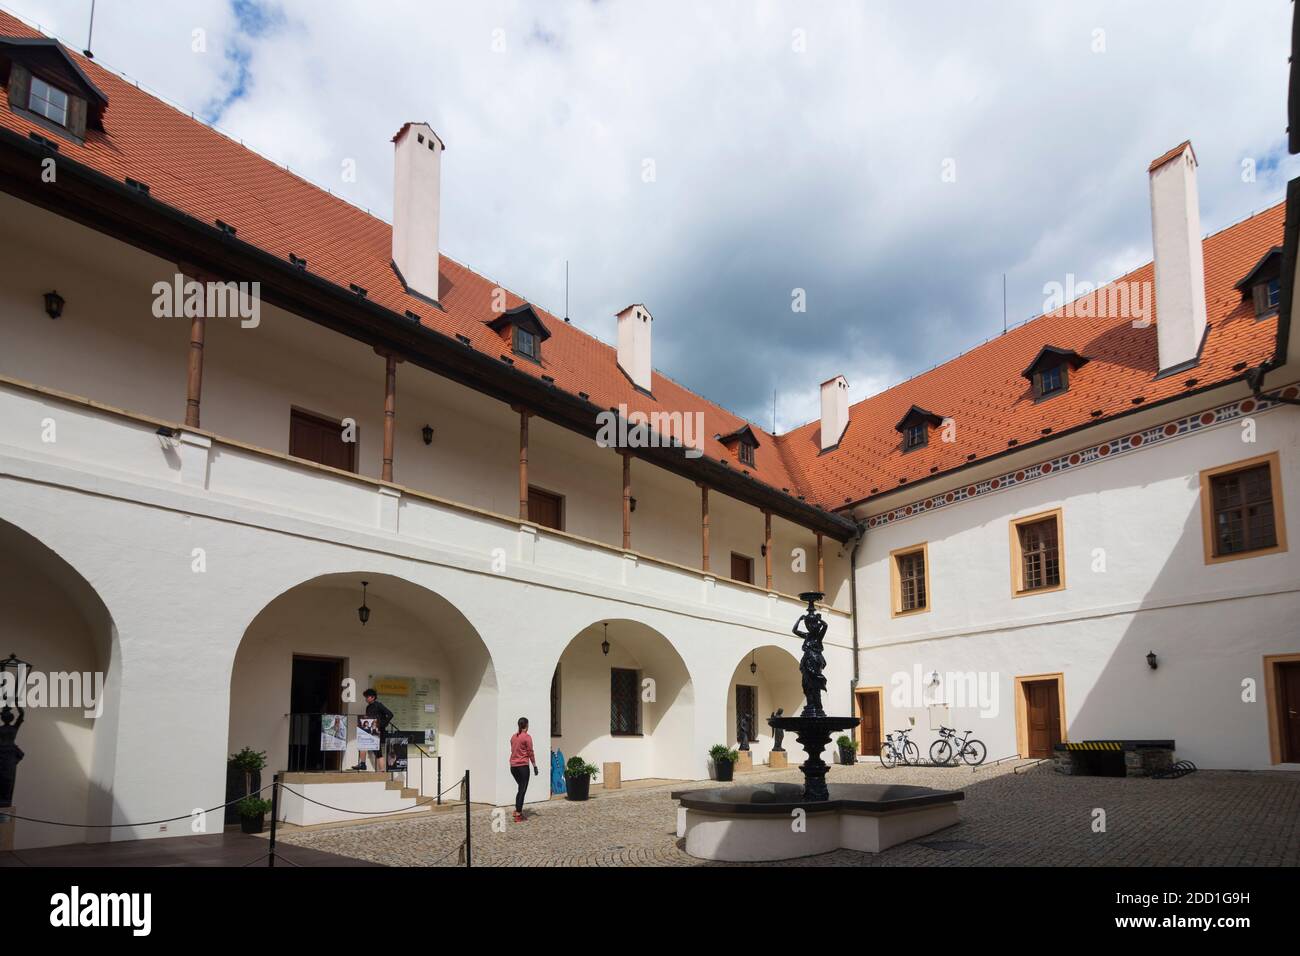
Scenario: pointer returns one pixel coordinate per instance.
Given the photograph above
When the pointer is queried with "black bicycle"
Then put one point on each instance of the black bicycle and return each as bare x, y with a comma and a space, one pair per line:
949, 747
896, 747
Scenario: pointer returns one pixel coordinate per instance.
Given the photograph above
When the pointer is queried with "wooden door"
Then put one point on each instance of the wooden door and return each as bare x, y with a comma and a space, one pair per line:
869, 724
1288, 682
320, 440
1043, 717
742, 568
545, 508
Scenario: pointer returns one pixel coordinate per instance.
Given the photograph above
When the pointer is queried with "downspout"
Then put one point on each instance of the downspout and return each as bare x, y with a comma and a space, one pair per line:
1255, 379
853, 611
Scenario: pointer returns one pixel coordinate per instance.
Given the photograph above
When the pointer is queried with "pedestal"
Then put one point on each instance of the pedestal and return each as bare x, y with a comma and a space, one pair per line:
6, 829
777, 760
613, 774
745, 761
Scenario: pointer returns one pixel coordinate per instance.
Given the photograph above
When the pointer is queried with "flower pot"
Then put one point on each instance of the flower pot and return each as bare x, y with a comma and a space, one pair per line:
252, 824
725, 769
578, 787
848, 756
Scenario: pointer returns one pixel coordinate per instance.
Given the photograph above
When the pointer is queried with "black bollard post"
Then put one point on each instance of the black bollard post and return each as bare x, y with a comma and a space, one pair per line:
467, 858
275, 814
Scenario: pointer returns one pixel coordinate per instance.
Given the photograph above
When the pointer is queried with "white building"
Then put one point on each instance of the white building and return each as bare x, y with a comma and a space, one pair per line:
193, 493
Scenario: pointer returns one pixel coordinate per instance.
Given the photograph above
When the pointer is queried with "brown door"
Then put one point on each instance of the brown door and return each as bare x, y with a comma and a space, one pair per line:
1043, 714
545, 508
869, 726
1288, 682
742, 568
320, 440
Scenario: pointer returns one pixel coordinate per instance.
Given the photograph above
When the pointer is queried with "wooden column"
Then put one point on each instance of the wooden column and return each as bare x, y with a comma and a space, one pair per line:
704, 527
821, 566
627, 502
390, 413
767, 547
194, 383
523, 463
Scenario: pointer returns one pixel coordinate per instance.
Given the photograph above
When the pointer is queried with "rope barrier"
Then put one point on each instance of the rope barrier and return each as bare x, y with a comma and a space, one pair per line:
148, 823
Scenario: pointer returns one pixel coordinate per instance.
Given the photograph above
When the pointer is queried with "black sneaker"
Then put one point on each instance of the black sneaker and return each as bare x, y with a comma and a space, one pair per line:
359, 766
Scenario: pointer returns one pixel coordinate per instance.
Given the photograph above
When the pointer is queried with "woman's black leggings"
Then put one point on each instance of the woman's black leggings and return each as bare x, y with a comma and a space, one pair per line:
521, 777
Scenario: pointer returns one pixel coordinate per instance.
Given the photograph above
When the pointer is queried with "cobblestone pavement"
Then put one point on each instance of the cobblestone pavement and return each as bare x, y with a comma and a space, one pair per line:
1036, 817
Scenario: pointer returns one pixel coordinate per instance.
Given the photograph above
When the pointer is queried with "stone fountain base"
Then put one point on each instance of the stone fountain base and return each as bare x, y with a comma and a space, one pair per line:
757, 823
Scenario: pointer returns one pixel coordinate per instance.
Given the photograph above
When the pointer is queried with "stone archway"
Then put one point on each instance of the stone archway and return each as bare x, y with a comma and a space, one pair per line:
412, 633
589, 693
766, 678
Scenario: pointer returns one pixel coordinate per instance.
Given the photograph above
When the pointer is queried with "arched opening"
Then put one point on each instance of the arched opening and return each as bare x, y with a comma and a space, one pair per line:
307, 652
766, 678
634, 705
55, 621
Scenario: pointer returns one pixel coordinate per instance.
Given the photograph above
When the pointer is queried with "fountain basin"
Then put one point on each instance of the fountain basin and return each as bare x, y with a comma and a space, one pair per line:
763, 822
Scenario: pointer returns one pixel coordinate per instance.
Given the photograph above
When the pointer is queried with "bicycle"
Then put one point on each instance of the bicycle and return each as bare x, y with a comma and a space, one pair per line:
897, 745
949, 747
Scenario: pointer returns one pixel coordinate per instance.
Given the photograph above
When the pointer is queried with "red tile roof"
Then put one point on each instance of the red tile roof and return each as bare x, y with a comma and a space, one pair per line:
207, 175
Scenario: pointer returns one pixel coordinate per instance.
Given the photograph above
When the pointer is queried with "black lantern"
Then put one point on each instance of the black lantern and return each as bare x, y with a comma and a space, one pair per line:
753, 664
363, 612
427, 432
1152, 661
53, 304
20, 669
604, 645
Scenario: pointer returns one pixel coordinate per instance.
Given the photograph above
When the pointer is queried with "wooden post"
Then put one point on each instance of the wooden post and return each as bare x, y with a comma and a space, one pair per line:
627, 502
821, 566
704, 527
767, 547
523, 463
194, 384
390, 413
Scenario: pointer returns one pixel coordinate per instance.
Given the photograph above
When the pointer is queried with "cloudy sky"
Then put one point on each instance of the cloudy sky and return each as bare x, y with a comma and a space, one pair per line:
891, 159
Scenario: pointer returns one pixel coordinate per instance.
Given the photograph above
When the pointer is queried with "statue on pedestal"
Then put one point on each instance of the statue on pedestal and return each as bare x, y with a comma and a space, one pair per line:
10, 753
778, 734
743, 737
813, 662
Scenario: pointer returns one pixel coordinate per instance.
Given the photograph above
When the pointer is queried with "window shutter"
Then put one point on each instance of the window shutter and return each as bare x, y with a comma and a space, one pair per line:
20, 84
77, 116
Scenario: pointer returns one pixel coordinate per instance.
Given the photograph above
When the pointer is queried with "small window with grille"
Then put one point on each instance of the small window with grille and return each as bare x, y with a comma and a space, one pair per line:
624, 702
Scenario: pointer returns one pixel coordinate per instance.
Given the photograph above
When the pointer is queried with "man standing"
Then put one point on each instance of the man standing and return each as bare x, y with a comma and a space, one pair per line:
384, 716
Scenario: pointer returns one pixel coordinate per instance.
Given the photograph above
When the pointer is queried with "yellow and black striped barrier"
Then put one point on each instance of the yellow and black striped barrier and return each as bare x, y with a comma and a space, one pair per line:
1095, 745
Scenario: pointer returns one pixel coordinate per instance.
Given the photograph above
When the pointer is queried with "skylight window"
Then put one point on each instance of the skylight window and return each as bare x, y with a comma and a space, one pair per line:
48, 101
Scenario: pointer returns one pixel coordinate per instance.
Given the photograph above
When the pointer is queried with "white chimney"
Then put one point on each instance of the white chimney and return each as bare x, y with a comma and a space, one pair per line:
1179, 261
417, 163
835, 410
634, 324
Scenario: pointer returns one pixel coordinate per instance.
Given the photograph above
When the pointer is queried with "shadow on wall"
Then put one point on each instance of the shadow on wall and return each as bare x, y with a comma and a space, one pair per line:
58, 624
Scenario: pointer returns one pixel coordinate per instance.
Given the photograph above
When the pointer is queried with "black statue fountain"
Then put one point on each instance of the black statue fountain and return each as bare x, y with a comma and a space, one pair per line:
780, 821
812, 727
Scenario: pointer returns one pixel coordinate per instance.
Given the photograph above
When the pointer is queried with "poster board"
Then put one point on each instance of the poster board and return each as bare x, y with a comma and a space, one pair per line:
333, 732
416, 706
367, 734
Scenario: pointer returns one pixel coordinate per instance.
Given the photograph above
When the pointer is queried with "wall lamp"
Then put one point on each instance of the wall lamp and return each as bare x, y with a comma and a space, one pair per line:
427, 432
53, 304
753, 664
363, 612
604, 645
1152, 661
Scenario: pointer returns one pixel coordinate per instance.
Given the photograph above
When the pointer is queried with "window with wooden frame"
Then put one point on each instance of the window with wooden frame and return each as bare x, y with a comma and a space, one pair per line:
742, 568
322, 440
916, 436
1241, 509
555, 702
545, 508
1051, 380
909, 580
624, 702
745, 452
1037, 560
526, 343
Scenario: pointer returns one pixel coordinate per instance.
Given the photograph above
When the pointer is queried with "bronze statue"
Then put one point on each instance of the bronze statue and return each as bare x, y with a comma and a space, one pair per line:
813, 662
10, 753
743, 736
778, 733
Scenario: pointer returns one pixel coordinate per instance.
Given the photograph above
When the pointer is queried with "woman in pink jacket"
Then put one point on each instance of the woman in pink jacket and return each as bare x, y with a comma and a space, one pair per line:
521, 755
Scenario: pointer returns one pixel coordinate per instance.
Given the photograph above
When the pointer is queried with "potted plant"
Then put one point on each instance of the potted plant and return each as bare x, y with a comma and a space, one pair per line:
848, 748
724, 761
243, 778
577, 778
252, 812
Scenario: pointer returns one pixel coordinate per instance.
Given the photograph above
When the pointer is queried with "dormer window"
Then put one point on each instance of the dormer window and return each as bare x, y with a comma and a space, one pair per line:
741, 443
46, 86
48, 101
523, 329
1263, 284
1049, 372
915, 427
